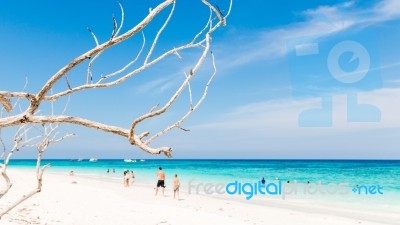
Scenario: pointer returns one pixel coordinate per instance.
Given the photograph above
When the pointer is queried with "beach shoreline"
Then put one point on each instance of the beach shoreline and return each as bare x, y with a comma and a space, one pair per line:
81, 200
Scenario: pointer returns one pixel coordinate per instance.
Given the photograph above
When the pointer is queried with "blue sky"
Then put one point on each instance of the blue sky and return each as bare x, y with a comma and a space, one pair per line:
276, 61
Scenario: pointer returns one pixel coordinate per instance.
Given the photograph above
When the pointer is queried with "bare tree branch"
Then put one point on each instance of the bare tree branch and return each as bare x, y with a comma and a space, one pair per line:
158, 34
6, 103
19, 142
127, 65
35, 102
48, 137
125, 77
175, 96
114, 32
191, 109
68, 84
10, 94
204, 29
122, 18
28, 195
216, 11
94, 36
29, 118
190, 94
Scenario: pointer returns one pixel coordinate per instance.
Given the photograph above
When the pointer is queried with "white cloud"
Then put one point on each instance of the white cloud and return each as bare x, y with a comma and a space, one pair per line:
319, 22
280, 117
270, 129
386, 10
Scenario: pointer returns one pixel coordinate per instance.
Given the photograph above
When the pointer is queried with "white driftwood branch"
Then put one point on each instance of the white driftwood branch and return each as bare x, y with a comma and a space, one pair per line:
175, 96
19, 142
190, 94
6, 103
28, 195
48, 137
125, 77
30, 117
35, 102
204, 29
104, 77
122, 18
158, 34
50, 123
191, 108
94, 36
217, 12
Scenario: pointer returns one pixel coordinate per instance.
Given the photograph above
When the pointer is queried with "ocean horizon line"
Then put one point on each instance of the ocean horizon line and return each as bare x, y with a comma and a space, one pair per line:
212, 159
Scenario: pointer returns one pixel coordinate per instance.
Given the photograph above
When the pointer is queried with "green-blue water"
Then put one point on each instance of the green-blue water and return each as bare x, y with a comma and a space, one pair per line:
366, 172
385, 173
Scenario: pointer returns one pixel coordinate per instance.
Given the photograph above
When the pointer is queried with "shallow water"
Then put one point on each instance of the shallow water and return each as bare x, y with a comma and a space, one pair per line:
354, 172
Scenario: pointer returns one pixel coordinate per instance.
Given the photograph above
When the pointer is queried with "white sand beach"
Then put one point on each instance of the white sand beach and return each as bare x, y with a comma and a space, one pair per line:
76, 200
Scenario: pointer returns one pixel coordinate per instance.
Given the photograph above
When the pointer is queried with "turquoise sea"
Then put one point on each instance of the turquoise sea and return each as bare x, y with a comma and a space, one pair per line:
385, 173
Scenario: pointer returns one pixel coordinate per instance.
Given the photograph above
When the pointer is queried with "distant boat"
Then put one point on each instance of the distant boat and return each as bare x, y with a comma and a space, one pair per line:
93, 160
142, 160
129, 160
79, 160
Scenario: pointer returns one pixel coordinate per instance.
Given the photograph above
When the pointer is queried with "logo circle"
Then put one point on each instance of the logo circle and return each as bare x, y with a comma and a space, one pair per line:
359, 52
